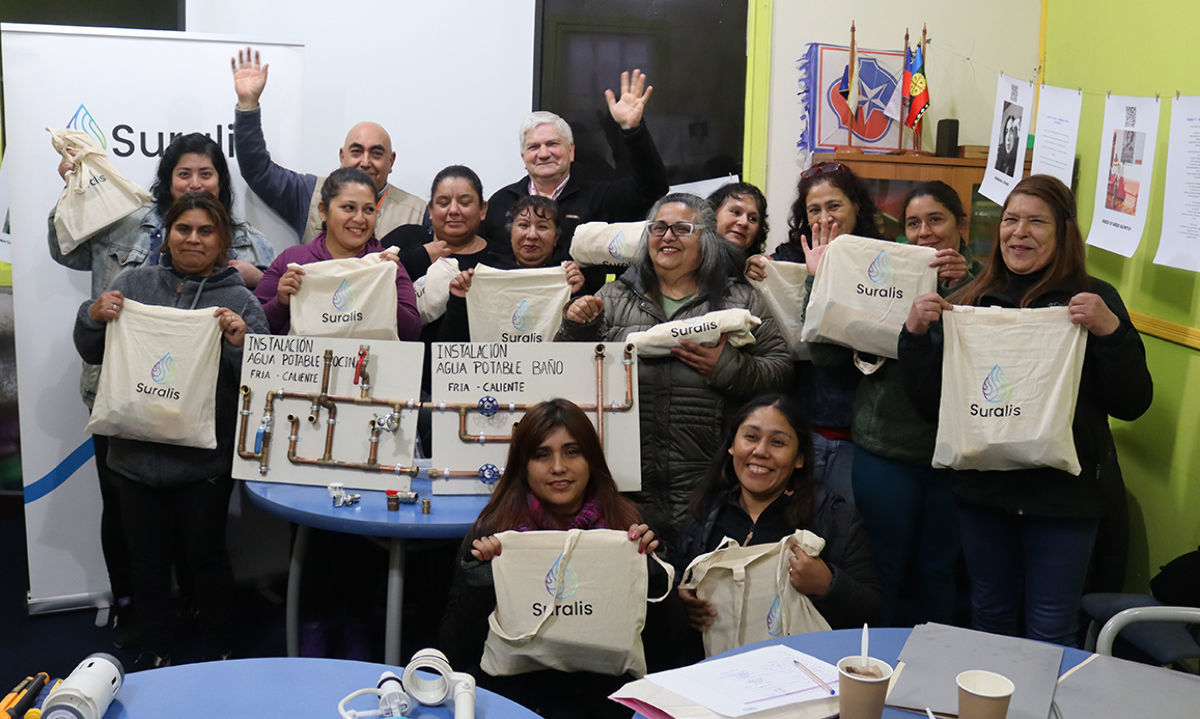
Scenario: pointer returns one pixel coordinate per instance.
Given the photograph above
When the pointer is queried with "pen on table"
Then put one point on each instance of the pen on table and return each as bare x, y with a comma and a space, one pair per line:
24, 700
11, 697
812, 675
35, 712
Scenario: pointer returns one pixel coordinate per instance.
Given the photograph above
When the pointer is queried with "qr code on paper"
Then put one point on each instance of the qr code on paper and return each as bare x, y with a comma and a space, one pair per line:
1012, 93
1130, 116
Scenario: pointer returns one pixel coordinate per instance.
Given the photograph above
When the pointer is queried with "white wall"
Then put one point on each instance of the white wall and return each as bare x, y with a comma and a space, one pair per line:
970, 43
450, 80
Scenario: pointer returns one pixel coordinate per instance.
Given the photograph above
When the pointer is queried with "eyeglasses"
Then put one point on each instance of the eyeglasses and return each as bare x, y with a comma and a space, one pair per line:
823, 169
658, 228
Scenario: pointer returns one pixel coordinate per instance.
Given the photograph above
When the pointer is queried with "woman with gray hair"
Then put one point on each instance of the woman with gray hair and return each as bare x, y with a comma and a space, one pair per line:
681, 270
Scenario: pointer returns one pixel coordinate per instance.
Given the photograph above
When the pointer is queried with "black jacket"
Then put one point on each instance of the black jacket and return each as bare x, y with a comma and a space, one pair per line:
1115, 382
853, 598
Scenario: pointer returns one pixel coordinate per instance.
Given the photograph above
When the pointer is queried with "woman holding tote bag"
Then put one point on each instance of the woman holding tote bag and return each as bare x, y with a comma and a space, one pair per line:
348, 210
760, 489
1027, 534
556, 478
534, 228
169, 491
682, 271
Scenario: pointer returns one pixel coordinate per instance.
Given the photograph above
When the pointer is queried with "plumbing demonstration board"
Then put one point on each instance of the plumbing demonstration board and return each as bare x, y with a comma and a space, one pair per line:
364, 386
485, 387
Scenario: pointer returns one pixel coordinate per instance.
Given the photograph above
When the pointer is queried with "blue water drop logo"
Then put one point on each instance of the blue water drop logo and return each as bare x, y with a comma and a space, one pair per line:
163, 371
775, 617
520, 316
82, 120
614, 247
343, 297
996, 387
881, 271
561, 580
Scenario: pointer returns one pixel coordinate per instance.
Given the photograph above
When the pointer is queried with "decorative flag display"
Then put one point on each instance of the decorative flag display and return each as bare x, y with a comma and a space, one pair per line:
826, 111
1010, 127
1179, 243
918, 89
1126, 168
1057, 132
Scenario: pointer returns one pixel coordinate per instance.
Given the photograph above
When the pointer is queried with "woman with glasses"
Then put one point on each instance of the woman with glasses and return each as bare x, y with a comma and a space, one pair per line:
681, 270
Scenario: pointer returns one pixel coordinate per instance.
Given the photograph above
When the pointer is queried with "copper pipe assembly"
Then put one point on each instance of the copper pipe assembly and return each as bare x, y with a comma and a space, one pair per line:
389, 422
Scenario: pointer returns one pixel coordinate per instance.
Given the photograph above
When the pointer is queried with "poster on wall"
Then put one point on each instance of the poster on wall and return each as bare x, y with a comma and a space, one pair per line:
1057, 132
98, 80
826, 113
1123, 180
1010, 127
1179, 242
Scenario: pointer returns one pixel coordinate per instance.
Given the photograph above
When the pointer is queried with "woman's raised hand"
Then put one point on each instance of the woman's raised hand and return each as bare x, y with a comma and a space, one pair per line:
951, 266
461, 284
107, 306
700, 612
810, 576
574, 276
233, 327
289, 284
585, 309
1089, 309
642, 534
925, 310
485, 548
823, 232
756, 267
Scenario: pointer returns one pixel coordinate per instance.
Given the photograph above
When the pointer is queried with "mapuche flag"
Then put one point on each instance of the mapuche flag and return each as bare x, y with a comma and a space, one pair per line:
916, 88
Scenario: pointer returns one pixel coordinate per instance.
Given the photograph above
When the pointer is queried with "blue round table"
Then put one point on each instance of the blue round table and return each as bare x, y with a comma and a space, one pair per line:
310, 506
293, 687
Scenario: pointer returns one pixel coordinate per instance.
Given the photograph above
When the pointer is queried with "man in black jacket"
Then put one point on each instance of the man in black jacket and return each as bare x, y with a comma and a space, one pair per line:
548, 149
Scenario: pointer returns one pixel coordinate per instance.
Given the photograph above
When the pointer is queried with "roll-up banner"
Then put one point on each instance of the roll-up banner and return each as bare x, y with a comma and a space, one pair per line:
132, 90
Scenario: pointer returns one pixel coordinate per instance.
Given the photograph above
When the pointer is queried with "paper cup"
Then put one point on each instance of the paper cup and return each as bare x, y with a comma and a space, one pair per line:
861, 697
983, 694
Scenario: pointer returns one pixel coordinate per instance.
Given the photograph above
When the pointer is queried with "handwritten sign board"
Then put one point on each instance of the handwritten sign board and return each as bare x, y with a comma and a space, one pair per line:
294, 365
503, 374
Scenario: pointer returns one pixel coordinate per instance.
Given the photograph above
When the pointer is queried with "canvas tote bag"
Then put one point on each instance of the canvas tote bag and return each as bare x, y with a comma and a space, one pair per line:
784, 291
1010, 380
516, 305
571, 601
352, 297
749, 588
158, 380
96, 194
606, 243
863, 291
433, 289
705, 329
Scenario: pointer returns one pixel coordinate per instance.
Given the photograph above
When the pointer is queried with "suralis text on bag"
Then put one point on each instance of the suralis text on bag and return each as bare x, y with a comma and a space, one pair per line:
339, 318
164, 392
1006, 410
693, 329
574, 609
893, 292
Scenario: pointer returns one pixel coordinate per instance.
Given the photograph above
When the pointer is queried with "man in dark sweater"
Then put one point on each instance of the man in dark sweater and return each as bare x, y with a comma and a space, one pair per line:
548, 149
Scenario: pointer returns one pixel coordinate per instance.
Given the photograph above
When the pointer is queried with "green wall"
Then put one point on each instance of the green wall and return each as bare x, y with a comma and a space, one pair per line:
1142, 49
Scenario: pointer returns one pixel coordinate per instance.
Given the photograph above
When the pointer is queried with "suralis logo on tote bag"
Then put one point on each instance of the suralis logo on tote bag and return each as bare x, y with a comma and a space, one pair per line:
522, 319
342, 300
774, 617
561, 583
693, 325
881, 272
996, 389
162, 374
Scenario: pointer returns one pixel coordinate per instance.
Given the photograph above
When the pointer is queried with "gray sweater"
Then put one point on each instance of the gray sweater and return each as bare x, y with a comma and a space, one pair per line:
163, 465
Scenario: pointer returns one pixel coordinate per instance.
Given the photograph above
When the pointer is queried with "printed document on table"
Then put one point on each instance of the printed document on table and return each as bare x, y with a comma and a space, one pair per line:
1179, 242
1057, 132
750, 682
